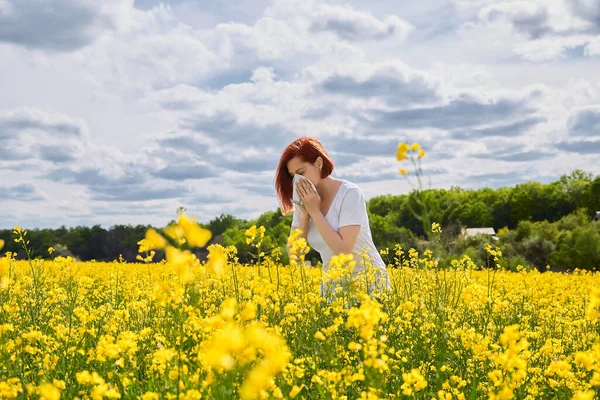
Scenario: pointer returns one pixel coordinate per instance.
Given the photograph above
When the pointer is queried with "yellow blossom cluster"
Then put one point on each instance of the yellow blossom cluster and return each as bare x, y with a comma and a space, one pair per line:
255, 235
192, 329
404, 149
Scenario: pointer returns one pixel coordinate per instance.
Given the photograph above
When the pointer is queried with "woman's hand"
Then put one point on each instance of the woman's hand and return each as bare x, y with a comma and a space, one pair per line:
309, 198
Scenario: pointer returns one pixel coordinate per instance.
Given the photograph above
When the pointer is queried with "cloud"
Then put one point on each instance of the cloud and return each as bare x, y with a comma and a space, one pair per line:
21, 192
111, 176
358, 147
226, 126
395, 83
9, 151
369, 177
526, 17
546, 29
341, 159
59, 26
537, 18
56, 154
194, 104
127, 208
371, 174
154, 55
466, 109
281, 38
516, 156
584, 146
15, 122
493, 179
94, 176
589, 11
136, 192
354, 25
32, 134
206, 212
207, 197
185, 171
194, 144
251, 158
513, 129
257, 183
258, 190
584, 121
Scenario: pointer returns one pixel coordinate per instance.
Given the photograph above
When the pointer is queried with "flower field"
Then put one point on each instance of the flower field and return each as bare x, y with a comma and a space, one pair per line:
186, 329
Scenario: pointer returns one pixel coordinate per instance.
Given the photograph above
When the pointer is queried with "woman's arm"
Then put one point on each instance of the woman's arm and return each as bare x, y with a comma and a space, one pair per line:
352, 217
339, 242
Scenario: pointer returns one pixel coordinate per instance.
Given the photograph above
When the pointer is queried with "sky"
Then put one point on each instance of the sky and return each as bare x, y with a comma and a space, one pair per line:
120, 111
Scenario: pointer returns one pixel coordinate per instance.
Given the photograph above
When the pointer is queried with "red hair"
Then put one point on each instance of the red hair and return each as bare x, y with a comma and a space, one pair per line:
309, 149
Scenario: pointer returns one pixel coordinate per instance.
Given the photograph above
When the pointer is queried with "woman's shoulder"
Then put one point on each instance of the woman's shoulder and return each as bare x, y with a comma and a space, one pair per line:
351, 187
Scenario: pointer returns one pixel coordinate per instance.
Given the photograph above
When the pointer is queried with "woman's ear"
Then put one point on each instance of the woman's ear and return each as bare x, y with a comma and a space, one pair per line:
319, 162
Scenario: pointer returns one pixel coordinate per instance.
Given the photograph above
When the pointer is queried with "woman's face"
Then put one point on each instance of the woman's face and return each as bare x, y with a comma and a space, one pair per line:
311, 171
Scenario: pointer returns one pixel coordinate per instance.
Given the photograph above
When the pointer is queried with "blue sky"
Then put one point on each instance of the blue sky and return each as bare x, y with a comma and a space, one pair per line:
118, 111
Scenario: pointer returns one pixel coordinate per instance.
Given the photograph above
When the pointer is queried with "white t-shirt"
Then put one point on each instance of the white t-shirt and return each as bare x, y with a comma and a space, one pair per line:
348, 208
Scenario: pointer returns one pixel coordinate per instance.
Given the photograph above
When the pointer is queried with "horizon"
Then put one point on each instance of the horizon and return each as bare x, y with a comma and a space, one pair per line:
108, 227
118, 112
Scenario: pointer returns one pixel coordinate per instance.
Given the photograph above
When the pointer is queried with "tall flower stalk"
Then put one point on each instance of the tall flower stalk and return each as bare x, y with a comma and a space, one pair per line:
414, 153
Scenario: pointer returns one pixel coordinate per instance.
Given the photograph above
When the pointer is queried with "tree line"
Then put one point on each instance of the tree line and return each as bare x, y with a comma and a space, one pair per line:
537, 224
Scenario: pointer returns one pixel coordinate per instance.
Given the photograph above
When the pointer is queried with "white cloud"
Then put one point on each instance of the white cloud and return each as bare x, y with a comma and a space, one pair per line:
593, 48
29, 133
62, 26
154, 109
584, 121
544, 29
353, 25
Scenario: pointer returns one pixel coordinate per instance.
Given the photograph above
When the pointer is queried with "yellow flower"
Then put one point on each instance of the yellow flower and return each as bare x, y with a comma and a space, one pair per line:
250, 234
50, 250
228, 309
163, 356
1, 244
587, 395
594, 304
367, 317
354, 346
176, 233
413, 381
401, 152
256, 382
249, 312
49, 392
415, 147
155, 240
319, 335
295, 390
217, 259
182, 262
164, 293
421, 154
403, 171
196, 235
85, 376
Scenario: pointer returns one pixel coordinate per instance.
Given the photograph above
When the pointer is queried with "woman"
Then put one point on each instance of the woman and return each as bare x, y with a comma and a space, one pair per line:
336, 220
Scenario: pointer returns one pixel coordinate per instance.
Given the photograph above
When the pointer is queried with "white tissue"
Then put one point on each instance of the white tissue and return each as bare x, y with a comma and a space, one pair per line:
295, 195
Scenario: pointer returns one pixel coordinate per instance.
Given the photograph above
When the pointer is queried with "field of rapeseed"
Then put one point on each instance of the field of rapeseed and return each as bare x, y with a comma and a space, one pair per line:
189, 329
